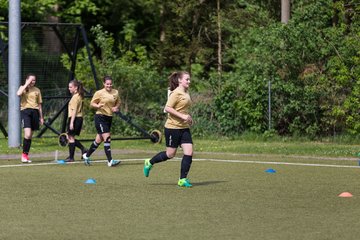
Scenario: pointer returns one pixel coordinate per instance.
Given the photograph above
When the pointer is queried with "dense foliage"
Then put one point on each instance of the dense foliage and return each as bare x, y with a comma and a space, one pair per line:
299, 78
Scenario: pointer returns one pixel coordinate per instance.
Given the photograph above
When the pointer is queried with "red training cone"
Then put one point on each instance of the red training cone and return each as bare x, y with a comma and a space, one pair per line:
345, 194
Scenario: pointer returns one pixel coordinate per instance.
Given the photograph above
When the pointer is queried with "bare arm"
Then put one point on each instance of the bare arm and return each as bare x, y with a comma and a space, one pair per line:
116, 108
186, 117
96, 105
72, 119
95, 101
41, 114
23, 87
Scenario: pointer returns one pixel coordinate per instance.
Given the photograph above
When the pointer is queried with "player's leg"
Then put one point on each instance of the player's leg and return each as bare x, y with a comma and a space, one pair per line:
71, 145
79, 145
172, 142
77, 130
187, 146
186, 159
27, 122
163, 156
94, 145
71, 142
26, 145
107, 145
105, 129
107, 148
98, 139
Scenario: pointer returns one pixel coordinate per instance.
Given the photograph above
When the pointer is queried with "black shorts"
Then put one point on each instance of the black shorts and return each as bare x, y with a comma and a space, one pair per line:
175, 137
102, 123
78, 122
30, 118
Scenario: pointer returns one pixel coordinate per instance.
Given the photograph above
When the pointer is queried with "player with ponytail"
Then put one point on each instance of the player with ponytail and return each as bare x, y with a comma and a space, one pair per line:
75, 118
177, 127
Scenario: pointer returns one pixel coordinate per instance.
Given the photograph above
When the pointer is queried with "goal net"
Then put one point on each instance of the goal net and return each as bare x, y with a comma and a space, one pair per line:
44, 46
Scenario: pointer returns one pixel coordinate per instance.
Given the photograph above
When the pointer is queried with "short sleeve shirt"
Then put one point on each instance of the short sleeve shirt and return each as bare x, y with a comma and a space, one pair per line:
76, 105
181, 102
109, 99
31, 98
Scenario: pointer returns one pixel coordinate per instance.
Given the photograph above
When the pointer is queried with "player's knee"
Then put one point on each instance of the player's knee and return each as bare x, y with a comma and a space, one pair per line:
188, 152
27, 136
170, 154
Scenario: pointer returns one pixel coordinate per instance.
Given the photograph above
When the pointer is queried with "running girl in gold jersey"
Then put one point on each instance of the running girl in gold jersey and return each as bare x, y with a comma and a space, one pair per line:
31, 112
75, 118
106, 101
177, 127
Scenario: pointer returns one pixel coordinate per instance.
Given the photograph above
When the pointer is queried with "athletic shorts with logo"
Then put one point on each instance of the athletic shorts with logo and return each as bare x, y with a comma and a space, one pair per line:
102, 123
30, 118
175, 137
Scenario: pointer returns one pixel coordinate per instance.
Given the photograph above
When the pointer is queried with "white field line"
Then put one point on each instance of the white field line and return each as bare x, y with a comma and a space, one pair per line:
195, 159
281, 163
285, 156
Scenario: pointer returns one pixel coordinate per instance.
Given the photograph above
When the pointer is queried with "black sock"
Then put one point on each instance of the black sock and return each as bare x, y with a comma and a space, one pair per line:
26, 145
160, 157
92, 148
185, 166
79, 145
107, 150
71, 150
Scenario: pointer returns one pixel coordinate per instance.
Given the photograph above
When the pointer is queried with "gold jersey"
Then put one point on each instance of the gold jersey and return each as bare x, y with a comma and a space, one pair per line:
30, 98
181, 102
76, 105
109, 99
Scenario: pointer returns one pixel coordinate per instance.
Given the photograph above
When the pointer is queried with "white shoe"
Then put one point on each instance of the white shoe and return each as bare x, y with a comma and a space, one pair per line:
23, 160
86, 159
113, 163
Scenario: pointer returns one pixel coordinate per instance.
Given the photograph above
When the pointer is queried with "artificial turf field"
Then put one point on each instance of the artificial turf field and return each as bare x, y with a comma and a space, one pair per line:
233, 198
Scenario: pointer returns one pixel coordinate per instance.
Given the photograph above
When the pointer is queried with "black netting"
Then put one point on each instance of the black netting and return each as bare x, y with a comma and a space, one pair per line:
44, 47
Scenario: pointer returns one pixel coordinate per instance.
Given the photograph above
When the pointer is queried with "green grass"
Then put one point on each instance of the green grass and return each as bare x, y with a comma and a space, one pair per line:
277, 146
229, 200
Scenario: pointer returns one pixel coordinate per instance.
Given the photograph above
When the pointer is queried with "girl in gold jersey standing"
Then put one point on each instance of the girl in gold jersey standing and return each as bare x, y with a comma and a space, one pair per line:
177, 127
75, 118
106, 101
31, 112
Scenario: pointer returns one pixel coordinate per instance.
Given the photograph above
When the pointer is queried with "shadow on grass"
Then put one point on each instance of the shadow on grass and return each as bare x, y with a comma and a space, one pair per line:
195, 184
131, 163
206, 183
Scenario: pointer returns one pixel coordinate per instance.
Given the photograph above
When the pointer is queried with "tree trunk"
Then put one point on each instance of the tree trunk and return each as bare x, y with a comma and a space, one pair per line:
162, 26
51, 42
219, 69
285, 11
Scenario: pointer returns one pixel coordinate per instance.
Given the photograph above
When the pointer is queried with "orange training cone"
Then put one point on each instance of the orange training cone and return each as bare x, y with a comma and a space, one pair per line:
345, 194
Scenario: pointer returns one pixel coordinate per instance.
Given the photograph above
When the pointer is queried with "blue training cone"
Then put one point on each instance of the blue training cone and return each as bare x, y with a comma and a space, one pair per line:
270, 170
90, 181
61, 161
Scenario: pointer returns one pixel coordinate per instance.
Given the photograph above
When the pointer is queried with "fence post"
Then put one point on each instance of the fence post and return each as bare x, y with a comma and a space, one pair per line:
14, 73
